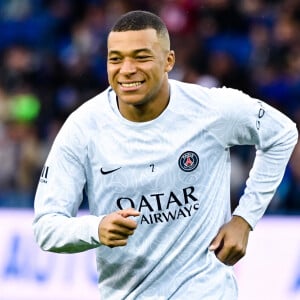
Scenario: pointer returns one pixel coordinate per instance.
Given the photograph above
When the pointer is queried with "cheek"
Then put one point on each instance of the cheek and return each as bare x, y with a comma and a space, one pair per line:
110, 74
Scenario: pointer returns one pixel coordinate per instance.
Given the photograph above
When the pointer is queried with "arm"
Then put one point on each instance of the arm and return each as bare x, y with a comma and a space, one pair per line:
276, 139
57, 227
75, 234
59, 194
274, 136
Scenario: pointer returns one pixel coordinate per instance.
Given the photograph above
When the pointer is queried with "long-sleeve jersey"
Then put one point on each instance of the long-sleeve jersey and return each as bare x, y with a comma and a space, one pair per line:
175, 170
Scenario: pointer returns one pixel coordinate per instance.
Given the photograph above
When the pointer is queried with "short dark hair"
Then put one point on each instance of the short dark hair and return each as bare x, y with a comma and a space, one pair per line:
140, 20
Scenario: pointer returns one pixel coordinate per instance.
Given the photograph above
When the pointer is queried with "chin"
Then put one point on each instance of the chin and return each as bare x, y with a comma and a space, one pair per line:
132, 100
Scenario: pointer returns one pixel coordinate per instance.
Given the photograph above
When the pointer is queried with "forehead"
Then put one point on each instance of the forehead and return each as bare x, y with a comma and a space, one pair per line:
132, 40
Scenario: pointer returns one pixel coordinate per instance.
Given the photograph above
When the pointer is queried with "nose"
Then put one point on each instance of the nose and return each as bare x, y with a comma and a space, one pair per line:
128, 67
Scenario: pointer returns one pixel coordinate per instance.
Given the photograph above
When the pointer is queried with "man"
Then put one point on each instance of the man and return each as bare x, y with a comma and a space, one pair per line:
152, 156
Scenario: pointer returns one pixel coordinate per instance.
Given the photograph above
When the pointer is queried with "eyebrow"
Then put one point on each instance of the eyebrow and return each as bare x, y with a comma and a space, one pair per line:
134, 51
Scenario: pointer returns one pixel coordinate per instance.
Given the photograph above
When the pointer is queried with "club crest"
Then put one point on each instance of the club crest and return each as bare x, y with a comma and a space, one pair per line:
188, 161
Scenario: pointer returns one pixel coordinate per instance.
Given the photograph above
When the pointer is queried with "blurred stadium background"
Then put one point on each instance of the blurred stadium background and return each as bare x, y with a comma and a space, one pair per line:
53, 58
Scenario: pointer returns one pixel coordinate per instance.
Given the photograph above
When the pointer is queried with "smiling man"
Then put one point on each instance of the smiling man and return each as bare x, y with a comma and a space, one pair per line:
153, 157
138, 67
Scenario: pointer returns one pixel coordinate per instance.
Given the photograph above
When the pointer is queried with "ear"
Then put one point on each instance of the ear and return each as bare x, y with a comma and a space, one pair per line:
170, 61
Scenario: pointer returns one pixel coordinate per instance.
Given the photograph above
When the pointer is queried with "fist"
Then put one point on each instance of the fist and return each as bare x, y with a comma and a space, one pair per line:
115, 228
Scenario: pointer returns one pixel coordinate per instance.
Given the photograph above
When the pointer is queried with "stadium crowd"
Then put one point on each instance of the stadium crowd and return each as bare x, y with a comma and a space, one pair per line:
53, 58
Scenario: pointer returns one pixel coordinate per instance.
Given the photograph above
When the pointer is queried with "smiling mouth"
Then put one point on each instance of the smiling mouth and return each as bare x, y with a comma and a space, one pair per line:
131, 84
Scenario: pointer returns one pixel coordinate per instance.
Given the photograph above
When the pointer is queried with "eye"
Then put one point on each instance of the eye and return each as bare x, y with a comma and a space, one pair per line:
114, 59
143, 57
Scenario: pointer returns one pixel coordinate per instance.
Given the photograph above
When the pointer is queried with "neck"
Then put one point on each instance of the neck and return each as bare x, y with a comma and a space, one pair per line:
143, 112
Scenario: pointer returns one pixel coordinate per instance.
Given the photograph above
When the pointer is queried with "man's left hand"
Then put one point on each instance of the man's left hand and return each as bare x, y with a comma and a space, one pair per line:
231, 241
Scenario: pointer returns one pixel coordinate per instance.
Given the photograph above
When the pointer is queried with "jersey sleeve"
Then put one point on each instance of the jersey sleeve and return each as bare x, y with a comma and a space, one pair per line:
247, 121
59, 194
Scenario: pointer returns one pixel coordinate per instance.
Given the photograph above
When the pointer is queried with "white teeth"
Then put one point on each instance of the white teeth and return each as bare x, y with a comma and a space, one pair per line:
132, 84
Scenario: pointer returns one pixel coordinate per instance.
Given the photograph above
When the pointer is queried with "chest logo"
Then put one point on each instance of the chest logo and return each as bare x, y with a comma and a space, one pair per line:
105, 172
188, 161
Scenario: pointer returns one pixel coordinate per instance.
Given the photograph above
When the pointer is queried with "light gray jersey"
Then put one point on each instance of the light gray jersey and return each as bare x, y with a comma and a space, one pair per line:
175, 170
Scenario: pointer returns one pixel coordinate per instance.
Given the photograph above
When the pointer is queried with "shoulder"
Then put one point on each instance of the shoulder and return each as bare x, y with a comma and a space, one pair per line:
187, 89
87, 118
93, 107
91, 114
216, 98
193, 90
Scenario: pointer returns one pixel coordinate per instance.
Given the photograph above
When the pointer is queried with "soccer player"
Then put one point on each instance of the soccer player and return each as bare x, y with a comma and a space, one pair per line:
153, 157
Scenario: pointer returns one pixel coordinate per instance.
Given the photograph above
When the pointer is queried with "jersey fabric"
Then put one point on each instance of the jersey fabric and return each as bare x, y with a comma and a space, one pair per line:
175, 170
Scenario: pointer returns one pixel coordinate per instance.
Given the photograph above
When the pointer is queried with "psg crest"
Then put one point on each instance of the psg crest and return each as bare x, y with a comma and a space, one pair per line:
188, 161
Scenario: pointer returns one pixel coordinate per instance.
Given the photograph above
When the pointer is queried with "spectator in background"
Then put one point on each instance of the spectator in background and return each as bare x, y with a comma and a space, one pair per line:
20, 151
286, 200
293, 195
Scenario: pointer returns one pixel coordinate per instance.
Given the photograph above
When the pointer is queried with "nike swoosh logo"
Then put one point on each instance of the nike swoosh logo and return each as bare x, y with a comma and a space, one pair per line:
109, 171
